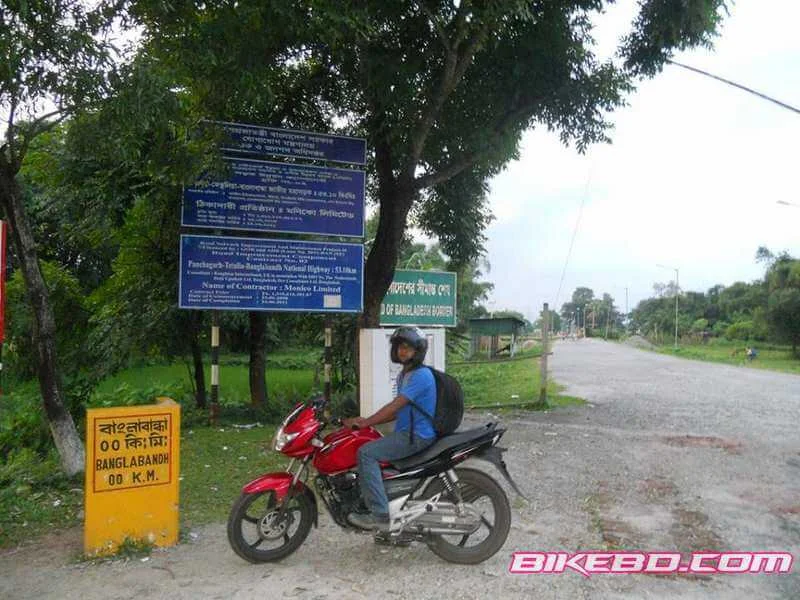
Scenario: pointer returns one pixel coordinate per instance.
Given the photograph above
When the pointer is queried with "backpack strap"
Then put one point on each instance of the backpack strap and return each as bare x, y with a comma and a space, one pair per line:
414, 406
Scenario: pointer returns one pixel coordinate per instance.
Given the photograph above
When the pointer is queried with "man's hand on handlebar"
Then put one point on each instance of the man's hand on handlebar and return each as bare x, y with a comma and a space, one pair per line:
354, 422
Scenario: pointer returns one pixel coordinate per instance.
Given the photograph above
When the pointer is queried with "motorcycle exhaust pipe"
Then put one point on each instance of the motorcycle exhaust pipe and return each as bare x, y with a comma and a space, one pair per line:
439, 524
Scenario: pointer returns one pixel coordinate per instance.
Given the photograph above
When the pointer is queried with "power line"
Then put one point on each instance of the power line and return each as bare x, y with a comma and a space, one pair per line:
736, 85
572, 242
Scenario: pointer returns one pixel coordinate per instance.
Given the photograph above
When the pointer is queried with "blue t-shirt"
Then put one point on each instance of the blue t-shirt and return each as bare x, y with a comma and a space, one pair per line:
419, 386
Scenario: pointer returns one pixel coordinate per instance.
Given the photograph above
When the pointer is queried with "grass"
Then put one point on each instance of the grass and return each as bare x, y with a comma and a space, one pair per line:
507, 383
36, 498
770, 357
289, 374
216, 463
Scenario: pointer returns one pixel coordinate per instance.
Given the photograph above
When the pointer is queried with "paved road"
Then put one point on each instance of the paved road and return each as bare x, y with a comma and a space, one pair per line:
668, 455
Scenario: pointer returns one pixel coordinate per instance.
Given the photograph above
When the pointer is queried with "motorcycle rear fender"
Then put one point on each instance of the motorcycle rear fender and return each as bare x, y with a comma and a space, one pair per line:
494, 455
281, 484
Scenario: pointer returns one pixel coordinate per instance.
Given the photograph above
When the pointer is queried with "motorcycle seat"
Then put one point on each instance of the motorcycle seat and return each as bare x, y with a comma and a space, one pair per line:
448, 442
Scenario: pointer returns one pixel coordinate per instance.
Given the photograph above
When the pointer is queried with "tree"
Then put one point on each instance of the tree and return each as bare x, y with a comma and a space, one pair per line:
54, 65
783, 303
441, 90
107, 184
554, 321
739, 300
472, 292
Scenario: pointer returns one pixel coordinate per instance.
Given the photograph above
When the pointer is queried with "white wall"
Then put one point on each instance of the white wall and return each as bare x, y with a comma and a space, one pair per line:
377, 372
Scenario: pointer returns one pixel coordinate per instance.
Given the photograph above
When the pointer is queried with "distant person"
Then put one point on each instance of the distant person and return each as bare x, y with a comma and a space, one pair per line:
751, 353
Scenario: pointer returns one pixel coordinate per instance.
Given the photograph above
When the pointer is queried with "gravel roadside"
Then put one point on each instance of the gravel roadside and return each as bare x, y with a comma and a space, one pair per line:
669, 454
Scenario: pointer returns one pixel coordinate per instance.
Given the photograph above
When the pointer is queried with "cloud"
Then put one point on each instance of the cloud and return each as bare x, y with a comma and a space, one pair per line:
691, 180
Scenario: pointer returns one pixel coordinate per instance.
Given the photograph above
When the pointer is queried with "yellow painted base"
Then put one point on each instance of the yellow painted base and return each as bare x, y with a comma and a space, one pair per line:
132, 469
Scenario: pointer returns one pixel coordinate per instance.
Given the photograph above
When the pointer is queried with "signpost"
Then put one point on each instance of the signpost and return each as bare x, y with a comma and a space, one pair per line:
285, 197
237, 273
132, 461
253, 139
424, 298
264, 274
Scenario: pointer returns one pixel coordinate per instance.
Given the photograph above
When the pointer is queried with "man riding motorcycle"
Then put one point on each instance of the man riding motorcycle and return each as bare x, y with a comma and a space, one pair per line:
411, 435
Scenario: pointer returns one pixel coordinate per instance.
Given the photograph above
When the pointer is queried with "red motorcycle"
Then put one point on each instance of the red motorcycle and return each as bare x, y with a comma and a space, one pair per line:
462, 514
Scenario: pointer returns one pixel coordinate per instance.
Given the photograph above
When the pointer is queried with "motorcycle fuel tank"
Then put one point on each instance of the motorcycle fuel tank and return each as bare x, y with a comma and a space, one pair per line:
341, 446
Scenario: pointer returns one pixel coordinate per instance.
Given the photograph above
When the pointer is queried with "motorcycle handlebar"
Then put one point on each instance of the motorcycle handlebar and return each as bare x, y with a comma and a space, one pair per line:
320, 404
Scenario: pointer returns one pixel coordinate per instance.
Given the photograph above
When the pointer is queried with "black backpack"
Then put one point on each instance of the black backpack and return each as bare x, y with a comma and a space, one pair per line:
449, 405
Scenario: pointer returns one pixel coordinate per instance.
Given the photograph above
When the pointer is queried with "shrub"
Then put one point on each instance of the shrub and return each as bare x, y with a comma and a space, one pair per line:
719, 328
66, 298
23, 424
742, 330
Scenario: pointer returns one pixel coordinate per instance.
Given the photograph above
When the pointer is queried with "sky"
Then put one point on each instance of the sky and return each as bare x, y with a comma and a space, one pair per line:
691, 181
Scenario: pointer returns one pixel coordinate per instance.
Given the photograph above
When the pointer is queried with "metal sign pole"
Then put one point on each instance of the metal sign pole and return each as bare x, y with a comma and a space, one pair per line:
214, 408
328, 358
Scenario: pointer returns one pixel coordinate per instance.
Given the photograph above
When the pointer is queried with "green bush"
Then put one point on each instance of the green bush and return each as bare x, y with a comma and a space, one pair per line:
35, 496
719, 328
742, 330
23, 424
25, 467
127, 395
67, 301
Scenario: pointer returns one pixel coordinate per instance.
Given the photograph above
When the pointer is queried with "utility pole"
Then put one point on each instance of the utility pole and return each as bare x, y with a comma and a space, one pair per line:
626, 303
677, 293
543, 362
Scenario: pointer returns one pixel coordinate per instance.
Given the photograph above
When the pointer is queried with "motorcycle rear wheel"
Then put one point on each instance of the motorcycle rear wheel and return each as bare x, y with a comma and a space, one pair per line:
482, 492
255, 532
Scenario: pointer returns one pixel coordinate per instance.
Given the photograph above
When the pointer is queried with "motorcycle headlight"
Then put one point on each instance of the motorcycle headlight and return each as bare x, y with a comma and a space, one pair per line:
282, 439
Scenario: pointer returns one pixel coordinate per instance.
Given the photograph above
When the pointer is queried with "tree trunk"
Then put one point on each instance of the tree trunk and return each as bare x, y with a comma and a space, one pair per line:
379, 270
197, 359
258, 358
65, 435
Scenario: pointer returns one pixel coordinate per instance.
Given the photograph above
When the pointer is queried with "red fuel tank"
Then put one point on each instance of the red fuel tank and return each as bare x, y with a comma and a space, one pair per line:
339, 451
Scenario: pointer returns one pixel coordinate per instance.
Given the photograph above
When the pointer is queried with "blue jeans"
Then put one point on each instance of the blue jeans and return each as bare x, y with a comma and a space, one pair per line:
393, 446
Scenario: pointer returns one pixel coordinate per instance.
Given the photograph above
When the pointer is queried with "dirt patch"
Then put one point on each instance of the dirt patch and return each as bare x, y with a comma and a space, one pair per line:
692, 531
61, 547
787, 510
704, 441
657, 489
617, 534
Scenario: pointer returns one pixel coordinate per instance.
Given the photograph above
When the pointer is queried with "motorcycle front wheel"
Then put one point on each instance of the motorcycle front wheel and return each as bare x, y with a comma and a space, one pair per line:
259, 532
486, 496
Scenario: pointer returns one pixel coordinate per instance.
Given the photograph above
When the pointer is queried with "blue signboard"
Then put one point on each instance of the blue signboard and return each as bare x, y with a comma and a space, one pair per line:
252, 139
285, 197
232, 273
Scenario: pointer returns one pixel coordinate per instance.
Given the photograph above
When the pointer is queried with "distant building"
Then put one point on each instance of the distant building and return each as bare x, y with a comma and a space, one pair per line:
490, 330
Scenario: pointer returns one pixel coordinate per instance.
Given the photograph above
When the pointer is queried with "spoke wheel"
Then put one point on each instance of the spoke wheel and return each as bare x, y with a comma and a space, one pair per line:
258, 532
488, 499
